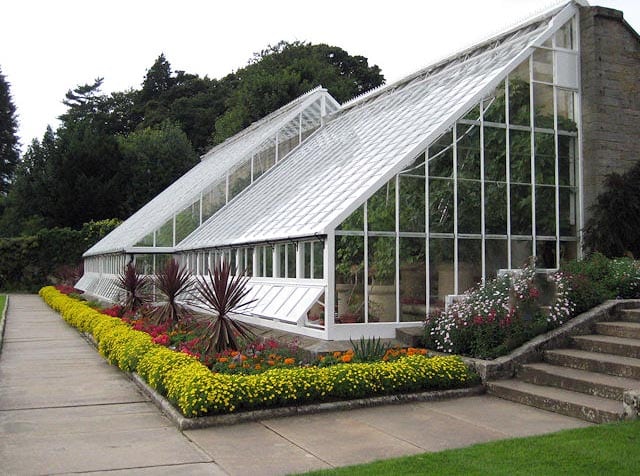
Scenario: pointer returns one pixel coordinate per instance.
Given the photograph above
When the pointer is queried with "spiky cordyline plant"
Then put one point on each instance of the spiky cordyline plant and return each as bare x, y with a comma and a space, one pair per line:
223, 293
173, 283
135, 287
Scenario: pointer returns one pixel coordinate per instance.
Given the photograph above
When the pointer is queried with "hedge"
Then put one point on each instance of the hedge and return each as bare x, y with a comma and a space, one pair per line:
195, 390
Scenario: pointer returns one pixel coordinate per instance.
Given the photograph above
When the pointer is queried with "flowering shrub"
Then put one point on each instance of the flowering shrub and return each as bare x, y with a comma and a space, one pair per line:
501, 315
196, 390
67, 289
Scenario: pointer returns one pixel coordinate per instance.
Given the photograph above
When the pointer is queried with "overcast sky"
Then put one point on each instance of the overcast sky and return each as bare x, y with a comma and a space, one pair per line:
48, 47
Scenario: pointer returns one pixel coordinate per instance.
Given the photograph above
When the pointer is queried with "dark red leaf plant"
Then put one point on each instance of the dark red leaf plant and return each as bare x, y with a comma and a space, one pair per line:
134, 287
173, 286
221, 294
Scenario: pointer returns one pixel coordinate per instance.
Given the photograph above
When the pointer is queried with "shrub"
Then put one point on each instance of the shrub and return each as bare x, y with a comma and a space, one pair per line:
135, 288
173, 283
597, 278
500, 315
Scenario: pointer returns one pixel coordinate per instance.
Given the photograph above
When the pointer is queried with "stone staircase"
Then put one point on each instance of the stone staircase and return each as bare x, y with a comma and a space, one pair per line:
587, 380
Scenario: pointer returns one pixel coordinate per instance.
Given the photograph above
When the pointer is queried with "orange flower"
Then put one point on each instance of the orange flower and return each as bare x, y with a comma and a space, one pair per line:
337, 354
346, 358
232, 365
271, 362
234, 353
243, 357
222, 359
257, 367
289, 361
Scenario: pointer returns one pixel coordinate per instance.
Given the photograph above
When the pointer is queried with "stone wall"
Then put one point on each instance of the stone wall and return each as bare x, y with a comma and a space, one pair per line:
610, 62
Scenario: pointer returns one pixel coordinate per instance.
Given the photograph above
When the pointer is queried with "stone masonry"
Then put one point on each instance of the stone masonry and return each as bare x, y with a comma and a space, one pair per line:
610, 71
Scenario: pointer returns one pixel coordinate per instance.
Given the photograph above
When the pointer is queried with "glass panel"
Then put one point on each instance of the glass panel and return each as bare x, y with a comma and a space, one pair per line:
282, 263
382, 274
412, 279
473, 114
354, 222
381, 209
259, 260
545, 211
468, 151
440, 205
268, 261
566, 110
164, 236
161, 261
545, 254
545, 158
469, 264
306, 246
521, 253
567, 69
441, 276
146, 241
213, 200
441, 156
520, 156
240, 179
264, 160
349, 279
496, 257
248, 265
564, 36
288, 137
291, 260
416, 168
495, 141
568, 250
318, 259
566, 155
187, 220
494, 110
567, 211
543, 65
521, 209
495, 208
412, 203
519, 95
144, 264
469, 203
543, 105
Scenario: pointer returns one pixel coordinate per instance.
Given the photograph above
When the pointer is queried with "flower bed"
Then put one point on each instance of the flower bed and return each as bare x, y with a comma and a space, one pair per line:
196, 390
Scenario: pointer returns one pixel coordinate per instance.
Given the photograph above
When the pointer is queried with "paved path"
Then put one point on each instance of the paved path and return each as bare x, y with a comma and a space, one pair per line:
64, 410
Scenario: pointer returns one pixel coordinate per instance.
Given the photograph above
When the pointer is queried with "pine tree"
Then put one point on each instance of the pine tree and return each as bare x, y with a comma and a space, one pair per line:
9, 153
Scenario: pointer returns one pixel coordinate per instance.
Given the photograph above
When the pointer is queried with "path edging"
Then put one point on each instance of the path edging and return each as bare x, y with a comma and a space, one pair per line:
3, 320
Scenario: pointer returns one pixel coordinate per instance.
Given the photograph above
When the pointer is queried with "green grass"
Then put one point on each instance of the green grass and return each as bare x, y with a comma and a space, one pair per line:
3, 300
605, 449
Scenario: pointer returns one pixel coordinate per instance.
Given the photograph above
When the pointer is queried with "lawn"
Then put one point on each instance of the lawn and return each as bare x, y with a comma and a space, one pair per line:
3, 300
604, 449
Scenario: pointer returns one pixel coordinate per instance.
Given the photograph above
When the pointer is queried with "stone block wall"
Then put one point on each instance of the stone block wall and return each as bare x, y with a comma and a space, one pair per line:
610, 72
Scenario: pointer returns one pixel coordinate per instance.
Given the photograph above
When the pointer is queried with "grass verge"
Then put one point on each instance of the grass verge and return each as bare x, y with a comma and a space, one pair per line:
3, 300
604, 449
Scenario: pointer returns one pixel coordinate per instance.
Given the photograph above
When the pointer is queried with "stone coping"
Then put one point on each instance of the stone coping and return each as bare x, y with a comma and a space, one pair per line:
3, 319
504, 367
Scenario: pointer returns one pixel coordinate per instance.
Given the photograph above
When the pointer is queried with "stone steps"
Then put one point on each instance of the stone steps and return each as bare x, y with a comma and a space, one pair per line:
583, 381
607, 344
574, 404
586, 381
629, 330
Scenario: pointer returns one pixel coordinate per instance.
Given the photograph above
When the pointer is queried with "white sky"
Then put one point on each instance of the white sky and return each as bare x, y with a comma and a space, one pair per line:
48, 47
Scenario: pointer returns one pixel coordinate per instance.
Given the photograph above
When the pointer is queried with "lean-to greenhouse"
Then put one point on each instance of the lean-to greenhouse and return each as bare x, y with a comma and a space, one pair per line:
358, 219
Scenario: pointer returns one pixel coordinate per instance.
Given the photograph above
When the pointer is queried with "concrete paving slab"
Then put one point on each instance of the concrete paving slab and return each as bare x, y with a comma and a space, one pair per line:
512, 419
253, 449
78, 420
97, 450
341, 440
195, 469
425, 428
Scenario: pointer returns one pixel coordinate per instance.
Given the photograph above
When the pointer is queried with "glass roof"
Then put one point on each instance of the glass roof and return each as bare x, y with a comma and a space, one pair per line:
367, 142
213, 168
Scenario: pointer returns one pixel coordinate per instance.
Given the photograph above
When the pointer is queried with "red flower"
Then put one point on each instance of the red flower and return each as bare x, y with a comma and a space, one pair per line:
162, 339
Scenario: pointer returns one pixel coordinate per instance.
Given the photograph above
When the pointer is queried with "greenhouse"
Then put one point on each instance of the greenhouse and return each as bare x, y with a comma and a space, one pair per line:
358, 219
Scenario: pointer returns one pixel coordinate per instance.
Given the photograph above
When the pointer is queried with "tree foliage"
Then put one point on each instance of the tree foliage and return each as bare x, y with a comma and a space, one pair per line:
614, 226
9, 154
114, 152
